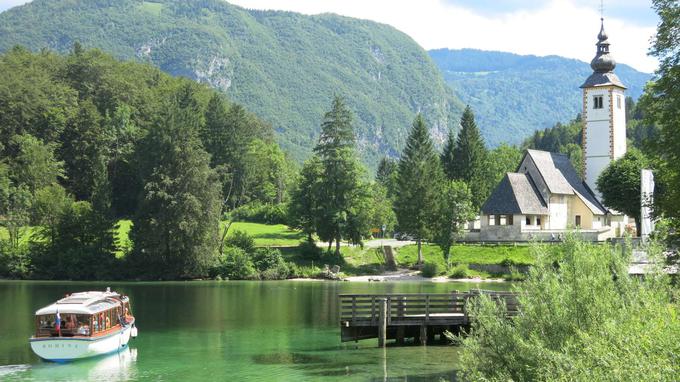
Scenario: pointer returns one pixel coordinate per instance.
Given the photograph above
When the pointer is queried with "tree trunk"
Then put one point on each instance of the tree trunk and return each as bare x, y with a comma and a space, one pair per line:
420, 252
337, 246
224, 236
330, 245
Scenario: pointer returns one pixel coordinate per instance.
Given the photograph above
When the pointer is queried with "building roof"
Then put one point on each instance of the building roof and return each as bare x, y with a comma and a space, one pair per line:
515, 194
603, 65
561, 178
603, 79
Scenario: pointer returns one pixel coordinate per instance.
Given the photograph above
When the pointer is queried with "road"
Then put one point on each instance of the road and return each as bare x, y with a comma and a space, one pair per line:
375, 243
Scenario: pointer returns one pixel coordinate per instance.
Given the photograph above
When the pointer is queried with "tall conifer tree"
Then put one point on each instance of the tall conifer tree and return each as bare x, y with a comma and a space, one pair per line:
342, 189
448, 157
469, 158
470, 151
419, 190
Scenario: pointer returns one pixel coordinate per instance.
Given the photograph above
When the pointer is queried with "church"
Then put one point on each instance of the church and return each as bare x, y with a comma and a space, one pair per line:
545, 197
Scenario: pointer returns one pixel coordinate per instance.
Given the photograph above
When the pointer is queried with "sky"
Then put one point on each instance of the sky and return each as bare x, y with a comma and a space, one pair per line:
541, 27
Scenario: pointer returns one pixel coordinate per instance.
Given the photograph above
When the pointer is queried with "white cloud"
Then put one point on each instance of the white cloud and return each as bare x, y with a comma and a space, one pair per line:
561, 27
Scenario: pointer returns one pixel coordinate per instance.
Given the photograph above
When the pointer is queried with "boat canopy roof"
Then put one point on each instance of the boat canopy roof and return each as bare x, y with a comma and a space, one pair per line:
84, 303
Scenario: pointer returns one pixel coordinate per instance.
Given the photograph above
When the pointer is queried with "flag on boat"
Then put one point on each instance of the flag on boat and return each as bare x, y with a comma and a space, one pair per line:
57, 324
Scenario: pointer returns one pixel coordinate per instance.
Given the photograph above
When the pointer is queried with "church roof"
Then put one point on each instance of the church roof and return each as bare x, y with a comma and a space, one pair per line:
561, 178
515, 194
603, 64
603, 79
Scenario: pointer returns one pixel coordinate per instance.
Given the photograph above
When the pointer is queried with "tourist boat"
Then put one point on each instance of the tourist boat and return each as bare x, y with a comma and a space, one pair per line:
83, 324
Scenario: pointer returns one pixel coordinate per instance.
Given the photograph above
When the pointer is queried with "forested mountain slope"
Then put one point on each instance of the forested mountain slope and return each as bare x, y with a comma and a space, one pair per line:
514, 95
283, 66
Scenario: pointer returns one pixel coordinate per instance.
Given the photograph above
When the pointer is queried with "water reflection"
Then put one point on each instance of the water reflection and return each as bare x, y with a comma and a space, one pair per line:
114, 367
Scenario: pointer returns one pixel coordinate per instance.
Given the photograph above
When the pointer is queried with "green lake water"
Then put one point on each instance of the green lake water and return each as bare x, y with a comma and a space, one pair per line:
226, 331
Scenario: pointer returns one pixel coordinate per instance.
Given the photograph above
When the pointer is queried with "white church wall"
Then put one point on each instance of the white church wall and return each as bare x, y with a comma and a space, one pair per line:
558, 212
619, 119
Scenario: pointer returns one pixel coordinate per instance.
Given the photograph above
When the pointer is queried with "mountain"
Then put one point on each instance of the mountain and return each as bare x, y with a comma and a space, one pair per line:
283, 66
513, 95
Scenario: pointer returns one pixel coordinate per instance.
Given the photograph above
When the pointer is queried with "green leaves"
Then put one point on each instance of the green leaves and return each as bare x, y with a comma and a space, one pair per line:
619, 184
582, 318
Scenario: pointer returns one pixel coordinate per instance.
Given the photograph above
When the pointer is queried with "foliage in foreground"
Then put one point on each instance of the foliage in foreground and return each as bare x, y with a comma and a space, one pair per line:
582, 318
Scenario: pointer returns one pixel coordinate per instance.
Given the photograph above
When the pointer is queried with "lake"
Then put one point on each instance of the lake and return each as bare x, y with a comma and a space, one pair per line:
204, 331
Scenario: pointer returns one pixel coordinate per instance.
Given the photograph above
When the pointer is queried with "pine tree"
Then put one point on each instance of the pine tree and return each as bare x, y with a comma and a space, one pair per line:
469, 158
342, 188
419, 183
448, 157
470, 151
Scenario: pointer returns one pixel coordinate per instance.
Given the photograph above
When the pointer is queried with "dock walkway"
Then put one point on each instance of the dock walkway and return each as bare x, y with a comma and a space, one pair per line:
419, 316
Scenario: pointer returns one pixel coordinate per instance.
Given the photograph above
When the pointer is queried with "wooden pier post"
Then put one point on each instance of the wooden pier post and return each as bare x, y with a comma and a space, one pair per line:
423, 334
382, 323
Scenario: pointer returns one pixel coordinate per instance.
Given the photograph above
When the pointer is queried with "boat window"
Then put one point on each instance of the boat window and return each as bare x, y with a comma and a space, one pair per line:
70, 325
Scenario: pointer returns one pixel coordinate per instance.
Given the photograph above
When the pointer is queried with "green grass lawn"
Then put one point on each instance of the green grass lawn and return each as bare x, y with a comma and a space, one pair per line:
265, 235
468, 254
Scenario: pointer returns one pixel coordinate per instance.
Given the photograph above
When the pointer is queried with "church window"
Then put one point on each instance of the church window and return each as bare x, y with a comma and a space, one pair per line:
578, 220
538, 220
598, 102
528, 220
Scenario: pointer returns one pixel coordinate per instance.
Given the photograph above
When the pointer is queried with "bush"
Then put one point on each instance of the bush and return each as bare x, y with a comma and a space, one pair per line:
583, 318
235, 264
270, 264
307, 272
257, 212
241, 239
460, 271
430, 270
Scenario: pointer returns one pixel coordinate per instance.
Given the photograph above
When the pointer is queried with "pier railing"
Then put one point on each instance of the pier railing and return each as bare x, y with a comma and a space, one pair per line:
370, 315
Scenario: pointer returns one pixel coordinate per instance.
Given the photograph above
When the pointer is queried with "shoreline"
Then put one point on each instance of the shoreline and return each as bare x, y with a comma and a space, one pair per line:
403, 276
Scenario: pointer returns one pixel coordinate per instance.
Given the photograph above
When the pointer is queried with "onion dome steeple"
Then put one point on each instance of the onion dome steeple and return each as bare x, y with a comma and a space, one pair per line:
603, 64
603, 61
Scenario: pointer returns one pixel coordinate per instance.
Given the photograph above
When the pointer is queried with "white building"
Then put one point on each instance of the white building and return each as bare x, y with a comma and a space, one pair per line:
546, 197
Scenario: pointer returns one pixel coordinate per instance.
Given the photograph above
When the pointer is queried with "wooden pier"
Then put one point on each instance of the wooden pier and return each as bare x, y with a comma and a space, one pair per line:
418, 316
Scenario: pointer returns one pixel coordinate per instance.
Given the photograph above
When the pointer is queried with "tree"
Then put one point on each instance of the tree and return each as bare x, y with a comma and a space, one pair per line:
175, 230
456, 211
619, 184
498, 162
448, 157
419, 189
342, 188
662, 98
386, 175
381, 209
582, 318
305, 204
469, 157
35, 165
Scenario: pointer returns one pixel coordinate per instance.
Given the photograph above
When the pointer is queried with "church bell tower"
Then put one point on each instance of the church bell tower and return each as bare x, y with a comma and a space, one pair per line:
604, 114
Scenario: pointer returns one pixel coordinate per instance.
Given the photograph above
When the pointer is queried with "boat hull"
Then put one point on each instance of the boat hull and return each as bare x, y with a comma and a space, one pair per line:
63, 349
